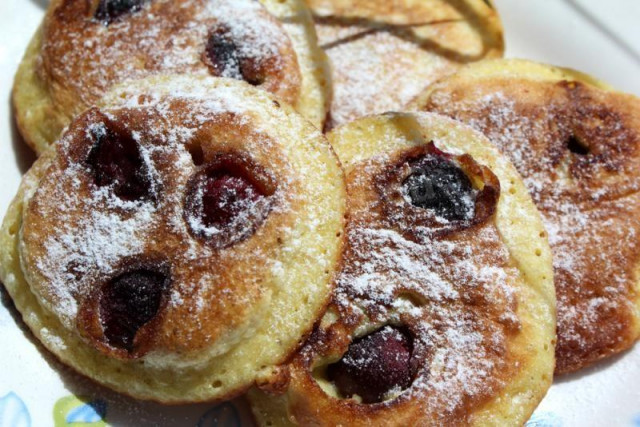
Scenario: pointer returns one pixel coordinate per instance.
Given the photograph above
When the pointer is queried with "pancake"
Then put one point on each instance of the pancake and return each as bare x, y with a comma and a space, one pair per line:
576, 142
84, 48
178, 240
383, 53
444, 309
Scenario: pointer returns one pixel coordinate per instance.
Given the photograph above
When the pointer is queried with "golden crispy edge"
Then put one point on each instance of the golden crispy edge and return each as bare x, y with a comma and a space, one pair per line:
527, 244
38, 120
482, 16
486, 14
488, 18
195, 385
514, 68
525, 69
315, 92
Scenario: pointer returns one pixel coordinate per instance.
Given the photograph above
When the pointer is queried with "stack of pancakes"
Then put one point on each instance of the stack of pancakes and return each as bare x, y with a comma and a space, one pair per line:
189, 233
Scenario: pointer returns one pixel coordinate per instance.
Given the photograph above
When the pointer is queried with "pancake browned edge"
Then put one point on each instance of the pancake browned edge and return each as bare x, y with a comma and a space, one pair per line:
383, 53
178, 240
576, 142
443, 313
79, 53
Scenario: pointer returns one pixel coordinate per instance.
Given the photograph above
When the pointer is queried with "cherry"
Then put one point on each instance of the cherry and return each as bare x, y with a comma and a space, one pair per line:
128, 302
224, 197
116, 162
374, 365
224, 58
229, 198
438, 184
110, 10
222, 55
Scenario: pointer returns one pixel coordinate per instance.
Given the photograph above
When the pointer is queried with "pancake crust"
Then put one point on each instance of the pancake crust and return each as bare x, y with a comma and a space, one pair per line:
383, 53
476, 296
229, 309
74, 58
577, 144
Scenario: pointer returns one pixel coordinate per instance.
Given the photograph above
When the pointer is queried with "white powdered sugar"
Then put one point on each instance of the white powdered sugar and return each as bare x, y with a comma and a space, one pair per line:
92, 232
92, 245
164, 37
388, 277
253, 36
589, 200
375, 73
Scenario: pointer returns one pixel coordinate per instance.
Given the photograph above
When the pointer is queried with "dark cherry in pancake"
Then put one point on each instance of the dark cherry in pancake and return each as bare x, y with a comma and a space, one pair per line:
436, 183
224, 58
431, 192
116, 162
228, 199
121, 313
128, 302
374, 365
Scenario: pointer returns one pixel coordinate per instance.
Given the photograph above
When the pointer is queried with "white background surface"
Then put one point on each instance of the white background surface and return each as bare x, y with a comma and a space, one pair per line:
599, 37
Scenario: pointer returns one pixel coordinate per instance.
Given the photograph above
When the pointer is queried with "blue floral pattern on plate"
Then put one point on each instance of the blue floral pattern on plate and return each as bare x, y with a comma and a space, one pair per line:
91, 412
544, 419
13, 412
79, 412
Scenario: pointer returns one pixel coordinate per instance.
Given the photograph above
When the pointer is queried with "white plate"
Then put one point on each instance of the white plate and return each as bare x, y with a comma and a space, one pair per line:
599, 37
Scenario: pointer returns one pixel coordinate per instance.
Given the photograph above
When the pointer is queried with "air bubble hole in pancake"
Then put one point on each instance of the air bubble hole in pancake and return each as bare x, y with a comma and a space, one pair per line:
576, 146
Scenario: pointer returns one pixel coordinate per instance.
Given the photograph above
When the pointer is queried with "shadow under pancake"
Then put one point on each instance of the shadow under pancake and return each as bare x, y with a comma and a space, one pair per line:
7, 302
42, 4
24, 155
599, 366
121, 409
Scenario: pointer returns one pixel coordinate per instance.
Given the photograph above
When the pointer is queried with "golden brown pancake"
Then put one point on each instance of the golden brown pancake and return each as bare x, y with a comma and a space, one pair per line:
444, 310
179, 239
577, 144
84, 47
383, 53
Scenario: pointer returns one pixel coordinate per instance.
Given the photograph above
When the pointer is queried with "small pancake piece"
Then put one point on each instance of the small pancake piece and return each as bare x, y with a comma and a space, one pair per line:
383, 53
179, 239
576, 142
83, 48
444, 309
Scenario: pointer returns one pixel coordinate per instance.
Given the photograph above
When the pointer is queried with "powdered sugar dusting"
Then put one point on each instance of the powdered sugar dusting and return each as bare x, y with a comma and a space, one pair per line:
589, 200
164, 37
370, 75
256, 39
455, 293
383, 55
94, 245
78, 235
